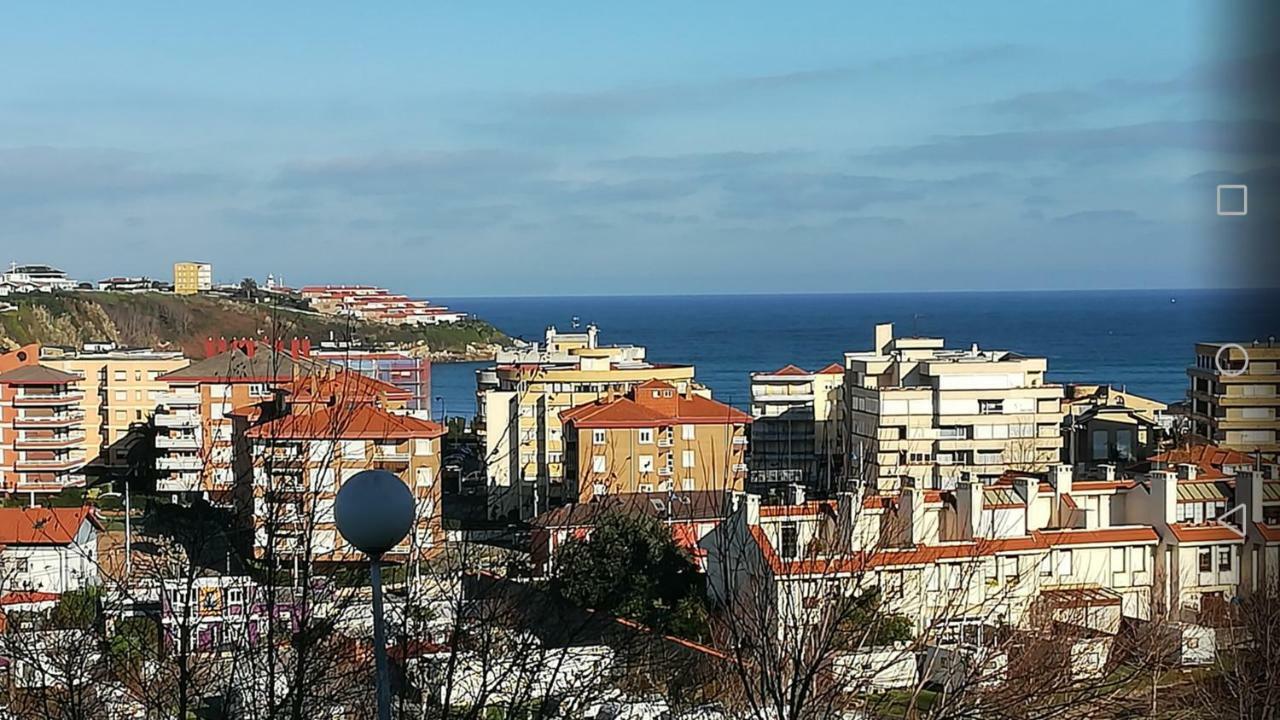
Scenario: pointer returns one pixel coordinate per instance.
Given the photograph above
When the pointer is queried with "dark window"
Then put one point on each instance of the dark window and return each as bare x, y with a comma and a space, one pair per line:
1271, 515
1098, 440
1224, 559
1206, 560
1124, 444
790, 540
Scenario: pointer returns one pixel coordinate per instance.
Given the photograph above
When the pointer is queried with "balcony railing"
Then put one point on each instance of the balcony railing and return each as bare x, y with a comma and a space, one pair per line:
177, 419
188, 442
179, 482
71, 462
179, 463
67, 398
59, 420
391, 455
54, 442
173, 399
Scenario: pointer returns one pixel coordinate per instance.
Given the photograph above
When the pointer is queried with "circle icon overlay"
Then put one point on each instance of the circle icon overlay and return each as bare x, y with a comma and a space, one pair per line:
374, 511
1218, 360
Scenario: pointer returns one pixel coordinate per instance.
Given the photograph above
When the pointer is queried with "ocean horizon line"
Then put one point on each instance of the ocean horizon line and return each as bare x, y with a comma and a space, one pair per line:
856, 293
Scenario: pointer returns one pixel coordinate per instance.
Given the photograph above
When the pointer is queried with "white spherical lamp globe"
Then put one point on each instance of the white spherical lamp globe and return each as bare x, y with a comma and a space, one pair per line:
374, 511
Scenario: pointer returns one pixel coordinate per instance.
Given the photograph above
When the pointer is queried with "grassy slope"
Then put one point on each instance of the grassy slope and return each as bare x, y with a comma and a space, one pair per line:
156, 319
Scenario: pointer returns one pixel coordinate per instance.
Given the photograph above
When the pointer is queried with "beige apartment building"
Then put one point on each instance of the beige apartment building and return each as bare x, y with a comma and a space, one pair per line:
121, 389
795, 433
653, 439
190, 278
915, 409
1233, 398
519, 402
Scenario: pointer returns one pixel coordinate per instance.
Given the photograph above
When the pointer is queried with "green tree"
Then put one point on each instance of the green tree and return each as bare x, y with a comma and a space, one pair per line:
866, 625
76, 609
631, 566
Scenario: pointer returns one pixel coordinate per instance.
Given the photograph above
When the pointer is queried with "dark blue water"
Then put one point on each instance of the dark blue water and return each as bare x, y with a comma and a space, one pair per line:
1137, 339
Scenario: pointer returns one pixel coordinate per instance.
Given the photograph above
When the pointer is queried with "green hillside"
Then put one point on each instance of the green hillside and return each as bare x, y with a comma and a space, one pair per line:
184, 322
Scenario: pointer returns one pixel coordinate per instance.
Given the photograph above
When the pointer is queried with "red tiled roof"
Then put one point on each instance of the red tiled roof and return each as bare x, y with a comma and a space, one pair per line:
37, 375
790, 370
43, 526
24, 597
1206, 456
928, 554
625, 413
1269, 533
832, 369
1204, 533
346, 422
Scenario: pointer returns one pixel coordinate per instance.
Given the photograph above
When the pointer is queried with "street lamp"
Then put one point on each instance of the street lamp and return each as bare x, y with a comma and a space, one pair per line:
128, 542
440, 399
374, 511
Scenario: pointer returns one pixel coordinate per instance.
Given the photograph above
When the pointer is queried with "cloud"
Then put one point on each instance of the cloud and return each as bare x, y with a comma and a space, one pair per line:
412, 173
1111, 218
52, 175
1090, 145
702, 163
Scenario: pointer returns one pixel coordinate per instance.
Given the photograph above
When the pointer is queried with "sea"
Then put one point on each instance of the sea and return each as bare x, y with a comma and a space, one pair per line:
1140, 340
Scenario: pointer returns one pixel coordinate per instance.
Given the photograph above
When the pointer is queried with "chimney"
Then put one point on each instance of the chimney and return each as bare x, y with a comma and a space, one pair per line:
1249, 493
969, 508
884, 336
1164, 491
1187, 472
751, 509
1029, 489
1062, 475
1059, 514
911, 511
1108, 472
847, 506
797, 494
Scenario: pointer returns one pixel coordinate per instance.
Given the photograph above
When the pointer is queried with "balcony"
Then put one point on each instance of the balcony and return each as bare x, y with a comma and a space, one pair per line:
179, 463
665, 442
70, 462
44, 421
177, 419
48, 399
49, 442
740, 440
178, 399
395, 456
181, 442
664, 471
179, 482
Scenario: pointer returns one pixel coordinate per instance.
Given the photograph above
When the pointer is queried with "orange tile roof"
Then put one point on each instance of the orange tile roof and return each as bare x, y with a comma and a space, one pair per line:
347, 422
1185, 533
928, 554
1269, 533
28, 597
790, 370
832, 369
38, 375
44, 526
1206, 456
625, 412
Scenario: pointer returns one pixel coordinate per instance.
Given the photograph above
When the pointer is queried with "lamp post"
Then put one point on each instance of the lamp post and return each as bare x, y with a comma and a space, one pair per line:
440, 399
128, 534
374, 511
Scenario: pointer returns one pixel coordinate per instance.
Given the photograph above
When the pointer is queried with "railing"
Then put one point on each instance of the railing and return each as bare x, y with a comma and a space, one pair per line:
69, 398
177, 419
67, 463
178, 399
50, 442
48, 420
179, 463
177, 441
665, 442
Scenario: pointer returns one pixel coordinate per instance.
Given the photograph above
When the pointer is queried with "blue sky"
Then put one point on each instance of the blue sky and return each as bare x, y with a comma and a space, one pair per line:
600, 148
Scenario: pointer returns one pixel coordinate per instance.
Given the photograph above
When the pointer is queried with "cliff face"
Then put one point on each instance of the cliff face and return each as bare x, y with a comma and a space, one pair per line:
184, 322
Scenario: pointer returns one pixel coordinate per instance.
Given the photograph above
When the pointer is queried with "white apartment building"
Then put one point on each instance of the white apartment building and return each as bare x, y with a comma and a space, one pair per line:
914, 409
1234, 395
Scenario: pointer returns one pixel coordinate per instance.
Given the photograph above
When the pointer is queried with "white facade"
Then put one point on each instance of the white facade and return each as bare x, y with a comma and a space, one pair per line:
52, 568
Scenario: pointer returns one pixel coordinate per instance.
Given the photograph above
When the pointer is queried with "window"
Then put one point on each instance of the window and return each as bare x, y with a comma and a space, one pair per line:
919, 457
955, 576
1064, 563
686, 432
790, 540
645, 487
120, 376
687, 485
424, 476
646, 436
422, 446
1124, 444
353, 449
137, 394
990, 407
153, 374
1271, 515
1224, 559
1138, 559
121, 395
933, 577
646, 463
259, 390
597, 464
1117, 560
235, 596
1206, 560
120, 415
1046, 565
153, 395
687, 459
597, 437
893, 584
958, 432
555, 457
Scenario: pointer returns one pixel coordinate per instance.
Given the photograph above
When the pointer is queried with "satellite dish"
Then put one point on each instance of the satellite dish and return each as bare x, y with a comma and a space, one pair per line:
374, 511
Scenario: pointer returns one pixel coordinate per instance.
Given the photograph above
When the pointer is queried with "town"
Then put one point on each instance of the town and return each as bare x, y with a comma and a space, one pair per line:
912, 530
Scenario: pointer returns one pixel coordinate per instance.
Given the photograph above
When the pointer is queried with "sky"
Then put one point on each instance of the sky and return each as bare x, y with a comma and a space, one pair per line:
492, 149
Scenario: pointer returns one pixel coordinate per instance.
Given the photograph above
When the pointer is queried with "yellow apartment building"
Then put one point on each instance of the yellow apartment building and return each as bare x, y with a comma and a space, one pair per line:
190, 278
121, 389
653, 439
1234, 396
519, 402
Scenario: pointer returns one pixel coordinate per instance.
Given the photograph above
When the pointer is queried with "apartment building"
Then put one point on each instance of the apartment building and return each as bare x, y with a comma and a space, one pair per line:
653, 439
299, 460
196, 419
520, 399
41, 425
1104, 425
121, 388
914, 409
375, 304
409, 373
36, 278
795, 429
1233, 397
190, 278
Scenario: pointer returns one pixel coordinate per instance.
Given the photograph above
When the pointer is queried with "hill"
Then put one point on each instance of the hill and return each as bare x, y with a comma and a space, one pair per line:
185, 322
